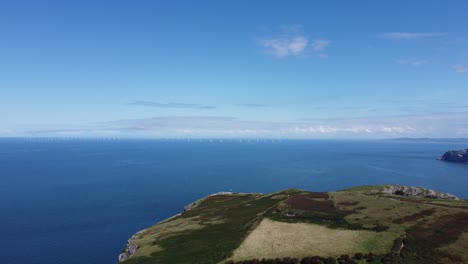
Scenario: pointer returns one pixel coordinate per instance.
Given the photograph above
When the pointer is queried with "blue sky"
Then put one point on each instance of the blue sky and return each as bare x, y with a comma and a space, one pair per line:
281, 69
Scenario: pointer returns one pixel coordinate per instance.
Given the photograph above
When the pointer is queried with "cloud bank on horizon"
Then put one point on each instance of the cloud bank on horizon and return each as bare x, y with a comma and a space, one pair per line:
446, 125
228, 71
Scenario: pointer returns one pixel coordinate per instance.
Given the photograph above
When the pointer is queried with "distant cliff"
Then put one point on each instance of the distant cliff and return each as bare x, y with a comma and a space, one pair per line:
456, 156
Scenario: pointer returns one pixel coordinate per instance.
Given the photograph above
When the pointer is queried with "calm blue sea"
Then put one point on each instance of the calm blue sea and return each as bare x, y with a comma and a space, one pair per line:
78, 201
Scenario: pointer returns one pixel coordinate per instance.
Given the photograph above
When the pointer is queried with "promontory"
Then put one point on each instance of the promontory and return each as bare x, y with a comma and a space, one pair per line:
369, 224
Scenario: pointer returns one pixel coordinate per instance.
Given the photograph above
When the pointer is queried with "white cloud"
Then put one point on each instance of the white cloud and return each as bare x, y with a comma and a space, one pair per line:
462, 132
414, 62
407, 35
460, 68
358, 129
320, 44
292, 42
282, 47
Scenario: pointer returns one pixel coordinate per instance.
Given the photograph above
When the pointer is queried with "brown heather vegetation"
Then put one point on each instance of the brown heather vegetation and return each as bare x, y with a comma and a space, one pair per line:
317, 202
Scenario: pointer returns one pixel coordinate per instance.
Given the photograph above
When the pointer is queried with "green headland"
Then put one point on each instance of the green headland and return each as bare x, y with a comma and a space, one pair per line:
370, 224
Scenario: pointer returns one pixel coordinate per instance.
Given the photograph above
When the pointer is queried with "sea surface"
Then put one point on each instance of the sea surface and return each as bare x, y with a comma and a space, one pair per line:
78, 201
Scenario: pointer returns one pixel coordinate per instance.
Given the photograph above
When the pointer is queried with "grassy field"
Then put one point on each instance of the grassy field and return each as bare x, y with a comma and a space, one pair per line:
272, 239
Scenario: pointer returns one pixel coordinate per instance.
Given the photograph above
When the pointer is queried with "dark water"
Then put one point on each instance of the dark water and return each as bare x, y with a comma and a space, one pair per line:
79, 201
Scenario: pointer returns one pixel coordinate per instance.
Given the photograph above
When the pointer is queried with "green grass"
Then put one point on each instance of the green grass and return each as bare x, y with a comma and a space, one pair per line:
235, 215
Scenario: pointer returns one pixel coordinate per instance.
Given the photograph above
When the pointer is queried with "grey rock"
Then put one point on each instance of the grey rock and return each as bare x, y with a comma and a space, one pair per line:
417, 191
129, 249
455, 156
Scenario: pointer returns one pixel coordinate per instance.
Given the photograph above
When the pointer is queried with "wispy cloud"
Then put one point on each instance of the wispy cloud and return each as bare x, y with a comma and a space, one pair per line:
460, 68
352, 129
408, 35
171, 105
187, 122
282, 47
320, 44
292, 42
253, 105
463, 132
340, 108
413, 62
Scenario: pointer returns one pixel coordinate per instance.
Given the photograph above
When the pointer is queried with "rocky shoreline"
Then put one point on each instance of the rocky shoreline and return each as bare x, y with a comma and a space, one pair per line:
129, 249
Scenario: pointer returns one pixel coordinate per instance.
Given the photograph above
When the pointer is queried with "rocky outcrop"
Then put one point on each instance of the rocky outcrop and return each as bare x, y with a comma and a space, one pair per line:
417, 191
129, 249
456, 156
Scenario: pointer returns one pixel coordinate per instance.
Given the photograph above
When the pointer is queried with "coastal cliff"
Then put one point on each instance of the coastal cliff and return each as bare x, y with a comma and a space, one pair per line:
130, 248
455, 156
